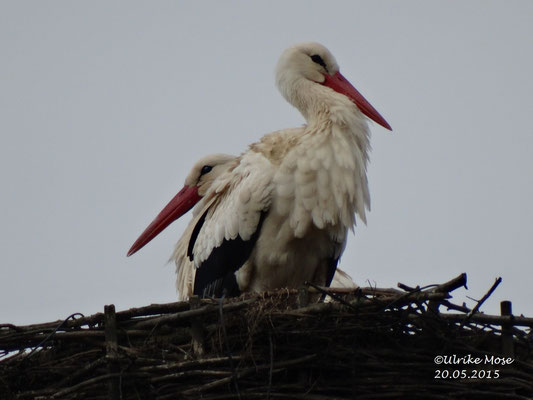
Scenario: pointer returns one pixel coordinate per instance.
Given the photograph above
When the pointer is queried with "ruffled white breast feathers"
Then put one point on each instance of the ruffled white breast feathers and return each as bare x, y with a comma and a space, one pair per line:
323, 180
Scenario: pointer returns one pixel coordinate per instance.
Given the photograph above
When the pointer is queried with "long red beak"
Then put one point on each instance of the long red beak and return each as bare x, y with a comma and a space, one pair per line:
179, 205
339, 83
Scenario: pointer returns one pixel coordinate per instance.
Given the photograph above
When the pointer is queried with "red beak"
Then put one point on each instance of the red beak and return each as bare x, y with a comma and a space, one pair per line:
179, 205
339, 83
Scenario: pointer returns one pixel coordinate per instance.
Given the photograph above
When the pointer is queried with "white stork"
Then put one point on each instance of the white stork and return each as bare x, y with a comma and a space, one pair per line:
278, 216
197, 183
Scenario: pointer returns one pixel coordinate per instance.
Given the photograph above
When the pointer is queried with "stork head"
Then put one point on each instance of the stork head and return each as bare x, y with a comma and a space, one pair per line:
309, 65
196, 185
204, 172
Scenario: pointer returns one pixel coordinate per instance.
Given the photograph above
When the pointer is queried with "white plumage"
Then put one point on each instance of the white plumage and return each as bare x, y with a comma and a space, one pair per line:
309, 183
185, 269
279, 214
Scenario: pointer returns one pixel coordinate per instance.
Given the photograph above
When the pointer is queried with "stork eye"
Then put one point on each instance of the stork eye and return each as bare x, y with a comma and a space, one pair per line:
316, 58
206, 169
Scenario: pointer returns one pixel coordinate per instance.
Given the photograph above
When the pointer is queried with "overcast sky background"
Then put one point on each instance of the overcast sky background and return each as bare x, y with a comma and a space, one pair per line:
106, 105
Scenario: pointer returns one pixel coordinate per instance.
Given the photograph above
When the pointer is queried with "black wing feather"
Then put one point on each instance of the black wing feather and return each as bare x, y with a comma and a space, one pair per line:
216, 275
330, 272
194, 235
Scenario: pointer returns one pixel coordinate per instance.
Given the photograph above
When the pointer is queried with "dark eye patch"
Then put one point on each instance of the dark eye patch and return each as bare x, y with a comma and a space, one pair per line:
206, 169
316, 58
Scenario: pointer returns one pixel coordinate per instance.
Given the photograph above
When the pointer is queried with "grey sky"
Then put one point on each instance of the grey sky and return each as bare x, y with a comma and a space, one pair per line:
105, 106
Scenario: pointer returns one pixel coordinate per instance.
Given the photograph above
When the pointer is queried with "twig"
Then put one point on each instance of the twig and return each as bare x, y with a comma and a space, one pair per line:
326, 292
248, 371
481, 318
418, 293
183, 374
92, 381
480, 302
452, 284
406, 287
52, 334
169, 366
451, 306
447, 287
185, 315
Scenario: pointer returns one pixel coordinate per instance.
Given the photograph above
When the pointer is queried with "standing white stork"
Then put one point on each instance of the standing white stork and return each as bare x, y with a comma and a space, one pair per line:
198, 181
279, 215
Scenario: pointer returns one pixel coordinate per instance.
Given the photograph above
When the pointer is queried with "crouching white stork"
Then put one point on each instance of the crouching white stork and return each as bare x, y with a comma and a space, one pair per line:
278, 216
197, 183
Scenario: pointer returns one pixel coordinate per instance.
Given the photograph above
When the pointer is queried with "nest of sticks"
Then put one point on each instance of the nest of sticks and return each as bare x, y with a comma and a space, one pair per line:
367, 343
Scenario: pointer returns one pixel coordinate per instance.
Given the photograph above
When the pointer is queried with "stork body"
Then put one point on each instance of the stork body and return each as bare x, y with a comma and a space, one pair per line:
278, 216
203, 173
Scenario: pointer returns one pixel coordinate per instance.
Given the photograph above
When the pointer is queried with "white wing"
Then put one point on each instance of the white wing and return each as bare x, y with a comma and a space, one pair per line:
229, 221
342, 280
184, 266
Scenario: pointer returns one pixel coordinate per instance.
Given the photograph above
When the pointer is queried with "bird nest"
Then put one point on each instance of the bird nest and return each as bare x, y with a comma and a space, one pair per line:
366, 343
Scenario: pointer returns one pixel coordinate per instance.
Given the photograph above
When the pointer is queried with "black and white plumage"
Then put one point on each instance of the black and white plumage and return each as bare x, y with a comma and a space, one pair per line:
278, 216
